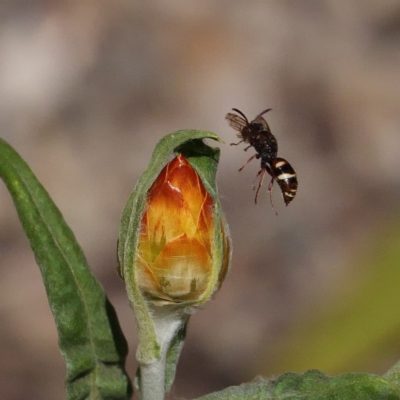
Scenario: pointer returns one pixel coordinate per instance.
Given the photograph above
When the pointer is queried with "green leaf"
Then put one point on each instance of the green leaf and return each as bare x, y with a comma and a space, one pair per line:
393, 375
90, 337
312, 385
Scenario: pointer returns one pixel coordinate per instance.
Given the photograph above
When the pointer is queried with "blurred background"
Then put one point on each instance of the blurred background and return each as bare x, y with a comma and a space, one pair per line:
88, 88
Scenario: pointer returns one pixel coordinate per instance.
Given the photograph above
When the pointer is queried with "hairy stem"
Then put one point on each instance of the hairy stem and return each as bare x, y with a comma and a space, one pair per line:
167, 323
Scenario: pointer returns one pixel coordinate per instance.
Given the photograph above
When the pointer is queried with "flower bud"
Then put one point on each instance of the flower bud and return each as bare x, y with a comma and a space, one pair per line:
175, 257
173, 246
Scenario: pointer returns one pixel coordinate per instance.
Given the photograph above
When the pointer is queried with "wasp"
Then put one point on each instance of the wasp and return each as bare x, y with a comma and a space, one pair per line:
259, 136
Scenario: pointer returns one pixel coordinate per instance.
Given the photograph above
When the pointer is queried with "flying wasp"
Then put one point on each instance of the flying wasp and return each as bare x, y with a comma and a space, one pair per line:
259, 136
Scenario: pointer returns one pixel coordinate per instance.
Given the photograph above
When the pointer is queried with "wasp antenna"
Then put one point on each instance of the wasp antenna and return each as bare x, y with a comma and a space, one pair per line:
239, 112
264, 112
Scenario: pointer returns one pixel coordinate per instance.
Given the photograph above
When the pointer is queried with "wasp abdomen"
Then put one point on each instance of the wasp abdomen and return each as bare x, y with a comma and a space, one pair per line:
286, 178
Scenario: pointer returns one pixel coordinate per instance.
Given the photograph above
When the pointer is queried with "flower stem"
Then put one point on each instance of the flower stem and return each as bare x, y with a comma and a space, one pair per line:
167, 323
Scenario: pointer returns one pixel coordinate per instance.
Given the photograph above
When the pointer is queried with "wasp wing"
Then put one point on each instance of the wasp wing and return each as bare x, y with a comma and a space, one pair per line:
236, 122
262, 121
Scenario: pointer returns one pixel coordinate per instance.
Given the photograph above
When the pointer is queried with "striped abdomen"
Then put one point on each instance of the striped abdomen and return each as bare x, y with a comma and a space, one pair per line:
284, 174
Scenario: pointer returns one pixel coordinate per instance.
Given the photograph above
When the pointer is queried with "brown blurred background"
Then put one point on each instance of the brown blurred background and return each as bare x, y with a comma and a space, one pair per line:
87, 88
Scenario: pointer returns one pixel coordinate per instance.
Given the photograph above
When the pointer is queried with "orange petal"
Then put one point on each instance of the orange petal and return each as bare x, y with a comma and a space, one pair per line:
183, 269
178, 204
174, 258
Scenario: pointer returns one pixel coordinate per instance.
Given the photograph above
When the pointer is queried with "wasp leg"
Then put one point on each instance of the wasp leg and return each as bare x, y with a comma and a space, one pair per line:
250, 159
254, 182
235, 144
247, 147
270, 195
270, 185
261, 174
268, 169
